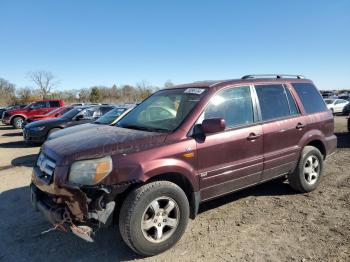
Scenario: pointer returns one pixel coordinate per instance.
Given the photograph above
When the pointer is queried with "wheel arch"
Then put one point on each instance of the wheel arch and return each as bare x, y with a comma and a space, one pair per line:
179, 179
14, 116
184, 183
319, 145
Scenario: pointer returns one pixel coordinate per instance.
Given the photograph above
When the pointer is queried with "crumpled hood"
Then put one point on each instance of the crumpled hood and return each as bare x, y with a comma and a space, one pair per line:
100, 141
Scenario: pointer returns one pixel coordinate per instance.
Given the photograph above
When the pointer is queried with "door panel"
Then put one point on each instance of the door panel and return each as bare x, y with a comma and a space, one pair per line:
281, 150
229, 161
283, 126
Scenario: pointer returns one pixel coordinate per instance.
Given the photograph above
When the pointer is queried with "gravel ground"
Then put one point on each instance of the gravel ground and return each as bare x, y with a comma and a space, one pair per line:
268, 222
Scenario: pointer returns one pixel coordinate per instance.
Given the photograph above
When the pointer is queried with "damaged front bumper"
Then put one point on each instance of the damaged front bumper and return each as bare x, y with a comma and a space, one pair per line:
73, 206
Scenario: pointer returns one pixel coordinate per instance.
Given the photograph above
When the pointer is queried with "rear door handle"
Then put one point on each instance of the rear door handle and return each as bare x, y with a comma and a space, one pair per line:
300, 126
253, 136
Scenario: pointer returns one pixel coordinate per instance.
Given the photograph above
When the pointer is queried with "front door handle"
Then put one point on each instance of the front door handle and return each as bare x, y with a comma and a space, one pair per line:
253, 136
300, 126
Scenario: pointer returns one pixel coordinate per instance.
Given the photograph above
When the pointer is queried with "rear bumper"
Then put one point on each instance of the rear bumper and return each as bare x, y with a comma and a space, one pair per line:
331, 145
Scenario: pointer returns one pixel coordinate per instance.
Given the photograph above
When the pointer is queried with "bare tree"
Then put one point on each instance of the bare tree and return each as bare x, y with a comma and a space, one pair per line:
7, 92
168, 84
24, 94
45, 82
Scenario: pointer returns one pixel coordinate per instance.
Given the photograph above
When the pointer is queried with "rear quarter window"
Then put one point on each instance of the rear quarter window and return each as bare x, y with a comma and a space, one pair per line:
310, 98
54, 104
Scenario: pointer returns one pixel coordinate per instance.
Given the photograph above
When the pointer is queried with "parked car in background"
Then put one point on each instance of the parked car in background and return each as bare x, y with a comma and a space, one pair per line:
53, 114
336, 105
154, 172
38, 131
349, 123
110, 118
345, 97
346, 109
3, 109
328, 94
15, 117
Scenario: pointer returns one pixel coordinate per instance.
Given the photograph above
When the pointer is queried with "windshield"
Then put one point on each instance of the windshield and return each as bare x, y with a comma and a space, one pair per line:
328, 101
109, 117
27, 106
72, 113
164, 111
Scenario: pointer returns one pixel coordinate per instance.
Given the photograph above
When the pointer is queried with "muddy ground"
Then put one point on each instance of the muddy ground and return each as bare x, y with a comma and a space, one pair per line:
268, 222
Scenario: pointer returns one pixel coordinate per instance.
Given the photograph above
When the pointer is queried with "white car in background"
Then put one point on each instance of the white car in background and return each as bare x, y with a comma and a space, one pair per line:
336, 105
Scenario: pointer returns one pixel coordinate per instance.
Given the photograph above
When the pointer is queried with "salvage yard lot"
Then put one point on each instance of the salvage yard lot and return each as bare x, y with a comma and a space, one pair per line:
269, 222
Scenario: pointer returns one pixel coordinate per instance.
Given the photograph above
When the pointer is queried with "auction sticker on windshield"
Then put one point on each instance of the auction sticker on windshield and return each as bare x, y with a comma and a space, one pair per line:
196, 91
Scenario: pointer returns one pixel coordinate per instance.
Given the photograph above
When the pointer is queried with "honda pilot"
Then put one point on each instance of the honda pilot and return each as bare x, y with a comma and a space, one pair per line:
180, 147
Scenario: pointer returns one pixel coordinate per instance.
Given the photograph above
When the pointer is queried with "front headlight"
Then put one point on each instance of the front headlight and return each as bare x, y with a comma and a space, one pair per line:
90, 172
37, 128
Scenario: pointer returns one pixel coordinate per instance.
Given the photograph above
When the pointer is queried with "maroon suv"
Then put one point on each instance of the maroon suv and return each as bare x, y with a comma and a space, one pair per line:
180, 147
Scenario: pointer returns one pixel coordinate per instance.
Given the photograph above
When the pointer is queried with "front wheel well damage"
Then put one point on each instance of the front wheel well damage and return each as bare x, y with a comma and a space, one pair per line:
178, 179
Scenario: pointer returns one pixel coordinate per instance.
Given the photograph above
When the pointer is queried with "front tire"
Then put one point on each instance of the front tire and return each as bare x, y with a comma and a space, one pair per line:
17, 122
307, 175
153, 217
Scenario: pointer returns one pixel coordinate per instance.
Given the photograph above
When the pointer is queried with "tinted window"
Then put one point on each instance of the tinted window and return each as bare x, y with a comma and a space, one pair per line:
105, 109
111, 116
310, 97
233, 104
273, 101
38, 105
54, 104
292, 105
91, 112
72, 113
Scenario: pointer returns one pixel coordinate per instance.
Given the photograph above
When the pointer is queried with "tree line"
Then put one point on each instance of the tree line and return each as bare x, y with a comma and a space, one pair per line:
46, 86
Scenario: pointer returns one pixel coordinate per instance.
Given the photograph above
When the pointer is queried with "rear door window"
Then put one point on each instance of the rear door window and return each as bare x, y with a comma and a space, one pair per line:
310, 97
273, 101
105, 109
54, 104
38, 105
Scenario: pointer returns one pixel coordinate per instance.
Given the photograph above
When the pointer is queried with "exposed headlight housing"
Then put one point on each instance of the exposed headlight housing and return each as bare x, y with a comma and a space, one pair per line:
90, 172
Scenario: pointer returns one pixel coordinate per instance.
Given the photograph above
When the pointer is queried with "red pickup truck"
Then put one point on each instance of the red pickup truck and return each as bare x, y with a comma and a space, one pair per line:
17, 116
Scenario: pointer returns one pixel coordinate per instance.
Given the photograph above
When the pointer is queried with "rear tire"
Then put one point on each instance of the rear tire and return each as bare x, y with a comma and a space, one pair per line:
17, 122
153, 217
307, 175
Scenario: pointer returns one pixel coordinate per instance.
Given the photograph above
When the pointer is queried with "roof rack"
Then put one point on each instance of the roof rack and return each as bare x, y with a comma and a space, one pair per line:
273, 76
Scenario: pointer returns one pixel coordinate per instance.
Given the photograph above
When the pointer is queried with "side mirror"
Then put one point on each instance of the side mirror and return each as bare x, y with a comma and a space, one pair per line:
79, 117
213, 125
